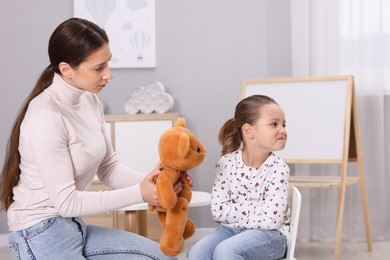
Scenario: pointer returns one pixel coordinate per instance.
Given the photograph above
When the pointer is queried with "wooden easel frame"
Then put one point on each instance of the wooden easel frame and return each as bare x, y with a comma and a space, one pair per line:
352, 152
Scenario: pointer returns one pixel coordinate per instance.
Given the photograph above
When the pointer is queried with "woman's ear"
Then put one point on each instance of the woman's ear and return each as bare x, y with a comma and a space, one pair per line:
247, 131
65, 69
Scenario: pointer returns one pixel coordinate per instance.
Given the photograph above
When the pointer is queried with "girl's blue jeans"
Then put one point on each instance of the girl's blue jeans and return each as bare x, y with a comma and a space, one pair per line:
70, 238
232, 244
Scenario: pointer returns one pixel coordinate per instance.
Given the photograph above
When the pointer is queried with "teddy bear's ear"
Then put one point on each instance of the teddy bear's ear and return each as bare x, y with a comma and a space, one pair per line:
184, 145
180, 122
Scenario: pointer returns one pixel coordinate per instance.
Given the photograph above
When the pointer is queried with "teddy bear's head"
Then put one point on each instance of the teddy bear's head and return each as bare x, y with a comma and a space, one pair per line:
179, 148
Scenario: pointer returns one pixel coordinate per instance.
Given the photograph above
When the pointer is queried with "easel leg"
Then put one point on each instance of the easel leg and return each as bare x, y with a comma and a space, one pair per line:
363, 190
339, 227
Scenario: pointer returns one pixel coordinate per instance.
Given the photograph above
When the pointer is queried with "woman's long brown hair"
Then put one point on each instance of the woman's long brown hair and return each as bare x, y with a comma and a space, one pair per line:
71, 42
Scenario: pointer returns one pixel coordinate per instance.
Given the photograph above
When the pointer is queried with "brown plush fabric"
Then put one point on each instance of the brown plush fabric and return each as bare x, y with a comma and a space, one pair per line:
180, 151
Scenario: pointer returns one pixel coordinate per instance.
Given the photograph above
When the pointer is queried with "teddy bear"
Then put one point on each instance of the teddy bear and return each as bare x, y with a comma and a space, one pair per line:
179, 151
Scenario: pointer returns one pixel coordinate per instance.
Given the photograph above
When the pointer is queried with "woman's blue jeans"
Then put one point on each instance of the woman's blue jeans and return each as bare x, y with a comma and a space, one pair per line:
70, 238
233, 244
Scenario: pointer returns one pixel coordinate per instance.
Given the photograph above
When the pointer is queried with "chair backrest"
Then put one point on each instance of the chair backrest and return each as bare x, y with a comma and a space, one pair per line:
294, 201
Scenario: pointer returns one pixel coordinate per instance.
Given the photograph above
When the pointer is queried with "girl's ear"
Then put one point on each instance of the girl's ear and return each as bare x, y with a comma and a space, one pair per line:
65, 69
247, 131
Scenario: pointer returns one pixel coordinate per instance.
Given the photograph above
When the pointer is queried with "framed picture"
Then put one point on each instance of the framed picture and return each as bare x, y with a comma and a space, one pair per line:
130, 26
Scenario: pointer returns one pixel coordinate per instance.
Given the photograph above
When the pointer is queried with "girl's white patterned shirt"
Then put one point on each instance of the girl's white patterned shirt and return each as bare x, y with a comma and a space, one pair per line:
248, 197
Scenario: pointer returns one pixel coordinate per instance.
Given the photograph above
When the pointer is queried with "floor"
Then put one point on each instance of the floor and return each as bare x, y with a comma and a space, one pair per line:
308, 251
349, 251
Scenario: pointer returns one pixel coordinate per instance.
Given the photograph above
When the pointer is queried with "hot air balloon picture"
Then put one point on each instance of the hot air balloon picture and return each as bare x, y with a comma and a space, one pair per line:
100, 10
130, 26
139, 41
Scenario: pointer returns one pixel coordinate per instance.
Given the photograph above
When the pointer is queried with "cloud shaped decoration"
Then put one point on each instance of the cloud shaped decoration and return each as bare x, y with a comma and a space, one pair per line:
148, 99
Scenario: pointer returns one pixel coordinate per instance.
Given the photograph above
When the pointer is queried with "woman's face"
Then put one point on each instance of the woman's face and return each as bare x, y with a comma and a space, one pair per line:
93, 73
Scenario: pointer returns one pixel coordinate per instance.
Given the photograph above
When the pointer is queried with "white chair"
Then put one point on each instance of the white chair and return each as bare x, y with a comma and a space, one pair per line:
294, 201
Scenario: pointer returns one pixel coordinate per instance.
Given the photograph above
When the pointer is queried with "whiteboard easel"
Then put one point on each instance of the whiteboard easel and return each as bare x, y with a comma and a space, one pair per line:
323, 128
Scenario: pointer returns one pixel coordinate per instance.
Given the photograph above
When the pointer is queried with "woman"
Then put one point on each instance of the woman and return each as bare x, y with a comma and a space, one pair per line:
57, 145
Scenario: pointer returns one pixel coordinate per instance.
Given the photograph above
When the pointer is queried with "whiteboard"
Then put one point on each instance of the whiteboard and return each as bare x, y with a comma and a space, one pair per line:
316, 111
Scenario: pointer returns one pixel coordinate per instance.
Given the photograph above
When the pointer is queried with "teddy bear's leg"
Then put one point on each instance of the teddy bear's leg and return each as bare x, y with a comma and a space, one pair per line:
189, 229
162, 217
171, 240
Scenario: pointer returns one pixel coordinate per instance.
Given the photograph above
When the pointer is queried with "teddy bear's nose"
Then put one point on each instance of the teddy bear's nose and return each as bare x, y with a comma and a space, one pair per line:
198, 149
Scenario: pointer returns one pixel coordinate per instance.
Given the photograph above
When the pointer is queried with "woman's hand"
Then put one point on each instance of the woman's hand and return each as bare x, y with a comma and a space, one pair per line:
179, 185
148, 187
188, 177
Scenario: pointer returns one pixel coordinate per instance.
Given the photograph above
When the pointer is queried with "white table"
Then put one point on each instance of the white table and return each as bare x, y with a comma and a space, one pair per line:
135, 215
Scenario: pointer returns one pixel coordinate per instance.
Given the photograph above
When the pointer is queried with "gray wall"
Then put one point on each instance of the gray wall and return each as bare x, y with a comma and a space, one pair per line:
204, 51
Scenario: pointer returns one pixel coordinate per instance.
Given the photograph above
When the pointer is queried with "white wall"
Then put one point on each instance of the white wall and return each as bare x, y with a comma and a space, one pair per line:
204, 51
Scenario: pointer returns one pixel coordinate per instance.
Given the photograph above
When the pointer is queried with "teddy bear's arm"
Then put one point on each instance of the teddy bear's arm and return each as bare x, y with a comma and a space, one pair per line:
165, 192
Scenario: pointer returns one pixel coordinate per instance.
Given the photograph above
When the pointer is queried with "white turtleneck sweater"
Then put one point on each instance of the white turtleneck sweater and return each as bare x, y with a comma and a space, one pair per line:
63, 145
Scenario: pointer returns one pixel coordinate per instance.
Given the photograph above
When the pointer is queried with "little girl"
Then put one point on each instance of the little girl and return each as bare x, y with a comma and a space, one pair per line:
249, 195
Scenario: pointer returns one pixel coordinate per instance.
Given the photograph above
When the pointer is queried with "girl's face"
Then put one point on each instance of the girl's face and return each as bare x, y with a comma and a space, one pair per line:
93, 73
269, 133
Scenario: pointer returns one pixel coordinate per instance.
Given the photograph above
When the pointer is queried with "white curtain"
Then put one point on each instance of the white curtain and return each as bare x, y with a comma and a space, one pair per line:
347, 37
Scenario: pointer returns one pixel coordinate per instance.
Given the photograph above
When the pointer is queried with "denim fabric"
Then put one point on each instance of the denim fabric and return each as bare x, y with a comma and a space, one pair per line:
232, 244
69, 238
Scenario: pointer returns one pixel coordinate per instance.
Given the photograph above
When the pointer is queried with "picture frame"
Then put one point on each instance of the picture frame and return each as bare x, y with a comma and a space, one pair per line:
130, 26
